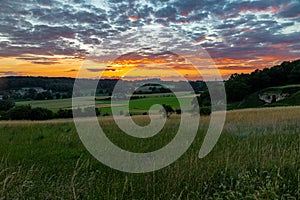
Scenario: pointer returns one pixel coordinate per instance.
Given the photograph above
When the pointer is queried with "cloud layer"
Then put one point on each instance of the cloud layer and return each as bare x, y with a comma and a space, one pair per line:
237, 34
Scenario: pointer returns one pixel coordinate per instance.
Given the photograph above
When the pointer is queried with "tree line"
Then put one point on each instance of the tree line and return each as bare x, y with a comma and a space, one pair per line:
10, 111
239, 86
57, 88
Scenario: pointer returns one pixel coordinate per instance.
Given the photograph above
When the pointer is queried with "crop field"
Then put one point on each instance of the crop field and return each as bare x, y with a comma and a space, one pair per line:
54, 105
143, 104
257, 157
136, 105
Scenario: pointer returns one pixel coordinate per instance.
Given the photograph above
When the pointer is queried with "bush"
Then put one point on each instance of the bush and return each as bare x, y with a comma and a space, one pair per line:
5, 105
167, 111
205, 110
25, 112
19, 113
4, 115
41, 114
64, 113
97, 112
178, 111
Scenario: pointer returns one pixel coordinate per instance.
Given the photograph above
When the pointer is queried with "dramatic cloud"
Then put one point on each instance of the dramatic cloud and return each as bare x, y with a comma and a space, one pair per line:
251, 32
236, 68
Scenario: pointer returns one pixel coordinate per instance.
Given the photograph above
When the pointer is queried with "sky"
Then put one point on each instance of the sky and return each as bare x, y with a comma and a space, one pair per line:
57, 37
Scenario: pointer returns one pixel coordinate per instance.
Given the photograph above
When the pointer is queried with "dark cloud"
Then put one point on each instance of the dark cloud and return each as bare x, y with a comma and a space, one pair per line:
94, 70
167, 12
41, 60
292, 11
45, 63
236, 68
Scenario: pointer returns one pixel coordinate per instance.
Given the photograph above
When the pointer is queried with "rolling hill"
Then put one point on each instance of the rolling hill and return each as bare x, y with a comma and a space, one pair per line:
288, 95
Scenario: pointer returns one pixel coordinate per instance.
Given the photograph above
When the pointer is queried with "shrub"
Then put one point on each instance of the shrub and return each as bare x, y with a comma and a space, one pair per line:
64, 113
5, 105
4, 115
22, 112
167, 111
178, 111
205, 110
41, 114
25, 112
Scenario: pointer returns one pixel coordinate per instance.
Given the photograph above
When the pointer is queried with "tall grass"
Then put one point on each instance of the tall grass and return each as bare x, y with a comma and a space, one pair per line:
257, 157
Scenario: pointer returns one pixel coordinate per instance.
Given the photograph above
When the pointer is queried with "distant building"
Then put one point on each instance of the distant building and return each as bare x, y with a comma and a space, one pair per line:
272, 97
1, 97
23, 91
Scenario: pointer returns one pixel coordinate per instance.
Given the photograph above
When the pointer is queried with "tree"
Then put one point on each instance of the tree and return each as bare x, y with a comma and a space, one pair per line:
30, 94
239, 86
41, 114
25, 112
167, 110
57, 96
22, 112
203, 102
273, 99
64, 113
5, 105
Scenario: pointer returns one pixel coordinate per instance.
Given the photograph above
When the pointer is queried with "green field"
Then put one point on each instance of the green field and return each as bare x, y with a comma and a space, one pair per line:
137, 105
143, 104
50, 104
257, 157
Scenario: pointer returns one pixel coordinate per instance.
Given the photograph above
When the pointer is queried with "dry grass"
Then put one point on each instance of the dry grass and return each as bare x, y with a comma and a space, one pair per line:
257, 157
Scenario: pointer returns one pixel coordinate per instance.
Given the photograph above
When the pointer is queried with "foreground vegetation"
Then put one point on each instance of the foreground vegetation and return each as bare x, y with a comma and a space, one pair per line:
257, 157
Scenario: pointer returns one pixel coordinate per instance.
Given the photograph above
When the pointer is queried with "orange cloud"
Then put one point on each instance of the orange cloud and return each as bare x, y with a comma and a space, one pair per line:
134, 18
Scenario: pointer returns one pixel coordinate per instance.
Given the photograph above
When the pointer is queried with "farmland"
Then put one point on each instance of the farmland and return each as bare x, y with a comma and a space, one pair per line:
257, 157
103, 103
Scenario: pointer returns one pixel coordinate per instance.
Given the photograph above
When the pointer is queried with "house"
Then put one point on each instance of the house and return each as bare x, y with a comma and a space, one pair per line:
272, 97
23, 91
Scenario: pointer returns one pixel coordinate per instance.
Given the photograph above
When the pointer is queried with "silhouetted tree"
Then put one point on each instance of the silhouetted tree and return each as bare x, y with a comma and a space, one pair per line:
238, 86
5, 105
41, 114
167, 110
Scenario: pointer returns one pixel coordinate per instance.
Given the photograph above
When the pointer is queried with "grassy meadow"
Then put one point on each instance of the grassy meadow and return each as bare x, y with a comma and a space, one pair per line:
257, 157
